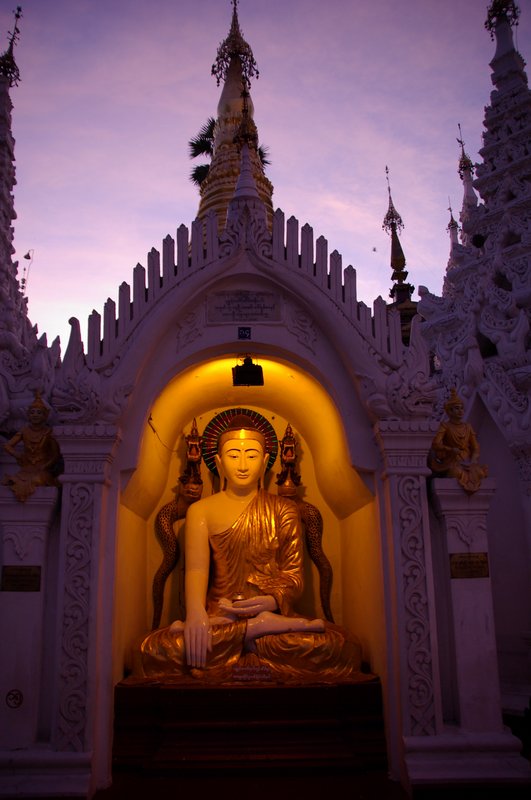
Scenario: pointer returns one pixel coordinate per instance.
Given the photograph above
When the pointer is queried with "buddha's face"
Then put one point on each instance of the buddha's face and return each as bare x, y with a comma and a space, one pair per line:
242, 462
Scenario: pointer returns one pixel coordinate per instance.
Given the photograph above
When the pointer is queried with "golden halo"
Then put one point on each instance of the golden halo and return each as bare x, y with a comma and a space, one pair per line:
222, 421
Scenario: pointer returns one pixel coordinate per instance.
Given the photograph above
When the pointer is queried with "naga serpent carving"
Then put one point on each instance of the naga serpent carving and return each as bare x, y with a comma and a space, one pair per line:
287, 481
188, 490
313, 528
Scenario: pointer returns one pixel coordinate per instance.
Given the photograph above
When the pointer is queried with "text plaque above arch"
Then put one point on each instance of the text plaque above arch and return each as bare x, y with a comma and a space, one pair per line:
243, 306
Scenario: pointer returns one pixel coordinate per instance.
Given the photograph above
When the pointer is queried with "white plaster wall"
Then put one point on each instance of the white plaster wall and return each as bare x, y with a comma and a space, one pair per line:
510, 562
132, 615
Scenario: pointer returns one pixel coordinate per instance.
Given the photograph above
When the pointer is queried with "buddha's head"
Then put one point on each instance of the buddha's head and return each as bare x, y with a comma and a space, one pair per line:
241, 458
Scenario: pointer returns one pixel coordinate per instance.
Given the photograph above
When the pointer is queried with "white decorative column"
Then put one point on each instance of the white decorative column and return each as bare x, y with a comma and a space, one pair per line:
25, 533
84, 611
70, 752
414, 702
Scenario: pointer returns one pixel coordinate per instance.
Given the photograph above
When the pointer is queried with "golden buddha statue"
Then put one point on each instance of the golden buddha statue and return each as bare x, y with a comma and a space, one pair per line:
455, 448
243, 574
39, 459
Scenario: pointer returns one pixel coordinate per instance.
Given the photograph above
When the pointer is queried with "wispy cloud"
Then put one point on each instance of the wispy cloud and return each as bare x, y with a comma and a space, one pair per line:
111, 93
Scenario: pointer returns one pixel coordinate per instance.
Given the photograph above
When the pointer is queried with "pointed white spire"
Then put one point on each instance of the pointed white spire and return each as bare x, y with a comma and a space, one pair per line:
508, 66
504, 38
466, 173
246, 186
246, 192
452, 228
501, 16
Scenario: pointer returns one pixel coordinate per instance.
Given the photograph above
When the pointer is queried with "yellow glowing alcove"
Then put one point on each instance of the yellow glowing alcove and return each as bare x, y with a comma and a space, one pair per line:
287, 391
290, 395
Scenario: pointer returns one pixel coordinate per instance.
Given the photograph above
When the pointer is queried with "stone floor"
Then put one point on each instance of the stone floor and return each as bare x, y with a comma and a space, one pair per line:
294, 784
257, 784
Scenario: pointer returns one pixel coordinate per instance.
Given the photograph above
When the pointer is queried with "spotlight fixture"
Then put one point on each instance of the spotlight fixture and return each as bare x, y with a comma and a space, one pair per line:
247, 374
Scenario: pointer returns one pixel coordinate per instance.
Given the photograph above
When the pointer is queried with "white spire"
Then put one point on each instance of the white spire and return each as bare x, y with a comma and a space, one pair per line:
246, 192
246, 186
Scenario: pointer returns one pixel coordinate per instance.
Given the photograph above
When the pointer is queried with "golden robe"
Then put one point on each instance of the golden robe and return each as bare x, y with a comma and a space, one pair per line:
261, 553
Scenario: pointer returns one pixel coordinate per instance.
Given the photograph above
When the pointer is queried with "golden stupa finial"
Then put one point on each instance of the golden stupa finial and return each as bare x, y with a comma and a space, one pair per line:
465, 162
235, 46
452, 224
392, 224
392, 220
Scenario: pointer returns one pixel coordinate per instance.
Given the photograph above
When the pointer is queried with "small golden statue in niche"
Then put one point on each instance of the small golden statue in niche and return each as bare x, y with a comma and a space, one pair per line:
243, 574
288, 481
187, 491
455, 449
40, 457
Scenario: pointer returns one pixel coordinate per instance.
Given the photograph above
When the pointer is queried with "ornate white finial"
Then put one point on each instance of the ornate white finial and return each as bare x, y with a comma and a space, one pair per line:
499, 10
8, 66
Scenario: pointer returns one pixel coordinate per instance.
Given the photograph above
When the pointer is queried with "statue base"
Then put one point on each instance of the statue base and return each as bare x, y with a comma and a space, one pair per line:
163, 726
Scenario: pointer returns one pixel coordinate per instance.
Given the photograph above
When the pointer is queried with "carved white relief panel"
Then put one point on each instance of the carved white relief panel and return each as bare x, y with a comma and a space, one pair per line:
23, 541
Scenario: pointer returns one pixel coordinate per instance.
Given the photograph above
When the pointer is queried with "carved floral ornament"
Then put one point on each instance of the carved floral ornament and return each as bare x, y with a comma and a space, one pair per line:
407, 392
21, 538
246, 230
467, 528
74, 677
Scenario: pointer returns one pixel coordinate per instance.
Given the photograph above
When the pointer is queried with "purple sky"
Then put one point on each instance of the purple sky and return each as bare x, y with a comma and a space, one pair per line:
112, 90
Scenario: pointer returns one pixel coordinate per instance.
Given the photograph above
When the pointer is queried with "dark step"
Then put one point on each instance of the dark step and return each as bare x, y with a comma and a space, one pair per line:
165, 727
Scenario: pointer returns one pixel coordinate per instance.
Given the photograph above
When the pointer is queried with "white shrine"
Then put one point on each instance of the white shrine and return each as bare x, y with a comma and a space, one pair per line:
434, 581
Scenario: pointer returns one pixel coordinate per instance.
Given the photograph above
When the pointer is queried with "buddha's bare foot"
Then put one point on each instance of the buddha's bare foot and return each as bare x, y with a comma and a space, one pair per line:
267, 623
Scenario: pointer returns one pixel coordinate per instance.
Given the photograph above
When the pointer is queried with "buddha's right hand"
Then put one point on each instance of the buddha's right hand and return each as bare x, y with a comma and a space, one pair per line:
197, 638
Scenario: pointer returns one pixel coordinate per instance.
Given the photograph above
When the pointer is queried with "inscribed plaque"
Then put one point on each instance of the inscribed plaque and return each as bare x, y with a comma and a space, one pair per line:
469, 565
243, 306
21, 579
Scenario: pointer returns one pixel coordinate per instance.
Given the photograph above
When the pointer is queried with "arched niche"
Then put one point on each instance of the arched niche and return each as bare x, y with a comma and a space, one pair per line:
331, 483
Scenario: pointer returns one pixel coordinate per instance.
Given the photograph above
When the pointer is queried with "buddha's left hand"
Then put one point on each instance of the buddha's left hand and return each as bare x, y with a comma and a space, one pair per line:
252, 606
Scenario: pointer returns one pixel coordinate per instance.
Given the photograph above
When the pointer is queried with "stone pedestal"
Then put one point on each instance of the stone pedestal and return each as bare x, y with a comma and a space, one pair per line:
477, 680
24, 529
